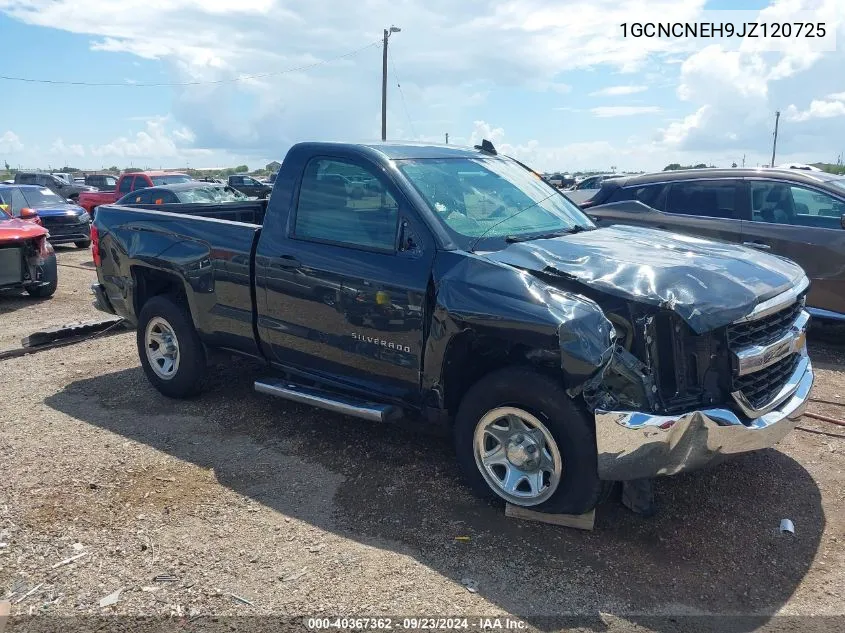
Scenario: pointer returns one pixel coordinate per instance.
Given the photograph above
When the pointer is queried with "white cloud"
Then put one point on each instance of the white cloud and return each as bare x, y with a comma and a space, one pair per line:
61, 149
449, 56
614, 111
453, 58
10, 142
616, 91
819, 109
154, 142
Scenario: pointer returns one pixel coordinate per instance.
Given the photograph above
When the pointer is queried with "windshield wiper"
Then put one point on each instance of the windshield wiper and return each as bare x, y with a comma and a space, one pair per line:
578, 228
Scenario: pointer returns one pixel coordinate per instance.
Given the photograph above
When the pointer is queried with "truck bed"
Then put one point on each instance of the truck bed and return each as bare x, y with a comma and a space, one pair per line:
198, 247
249, 212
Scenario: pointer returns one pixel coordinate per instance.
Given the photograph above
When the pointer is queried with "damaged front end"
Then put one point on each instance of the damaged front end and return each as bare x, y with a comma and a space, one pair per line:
670, 400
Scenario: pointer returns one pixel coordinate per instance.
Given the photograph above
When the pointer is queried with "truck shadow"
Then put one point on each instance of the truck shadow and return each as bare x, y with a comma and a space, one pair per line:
714, 547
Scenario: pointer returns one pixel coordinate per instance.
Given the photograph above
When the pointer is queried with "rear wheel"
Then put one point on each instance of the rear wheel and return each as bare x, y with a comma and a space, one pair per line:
519, 437
83, 244
171, 353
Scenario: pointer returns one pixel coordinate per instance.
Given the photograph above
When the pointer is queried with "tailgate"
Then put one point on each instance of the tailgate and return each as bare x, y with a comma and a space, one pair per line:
11, 265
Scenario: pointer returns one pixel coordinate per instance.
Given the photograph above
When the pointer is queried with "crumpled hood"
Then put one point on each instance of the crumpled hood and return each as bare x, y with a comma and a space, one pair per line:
708, 284
13, 230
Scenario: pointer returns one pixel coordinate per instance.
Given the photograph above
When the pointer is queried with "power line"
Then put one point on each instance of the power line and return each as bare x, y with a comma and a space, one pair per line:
191, 83
402, 94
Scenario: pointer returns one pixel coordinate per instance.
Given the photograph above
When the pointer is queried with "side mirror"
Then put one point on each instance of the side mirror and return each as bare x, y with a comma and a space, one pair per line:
29, 215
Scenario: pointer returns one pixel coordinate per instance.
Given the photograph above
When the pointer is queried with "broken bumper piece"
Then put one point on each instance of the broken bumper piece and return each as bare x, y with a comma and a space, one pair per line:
635, 445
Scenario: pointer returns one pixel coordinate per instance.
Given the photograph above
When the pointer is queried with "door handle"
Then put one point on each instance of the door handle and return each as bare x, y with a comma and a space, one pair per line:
758, 245
288, 261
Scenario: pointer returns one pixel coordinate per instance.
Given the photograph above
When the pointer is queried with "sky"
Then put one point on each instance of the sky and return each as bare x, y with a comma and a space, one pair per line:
555, 83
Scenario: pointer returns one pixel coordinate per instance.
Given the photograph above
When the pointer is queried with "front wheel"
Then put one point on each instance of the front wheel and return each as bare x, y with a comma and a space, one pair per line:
49, 278
171, 353
520, 437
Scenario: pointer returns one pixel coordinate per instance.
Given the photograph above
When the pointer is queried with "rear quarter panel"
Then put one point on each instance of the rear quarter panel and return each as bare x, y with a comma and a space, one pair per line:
210, 258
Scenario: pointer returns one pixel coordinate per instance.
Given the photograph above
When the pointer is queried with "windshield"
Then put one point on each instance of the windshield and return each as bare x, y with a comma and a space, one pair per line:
490, 198
210, 194
40, 198
172, 179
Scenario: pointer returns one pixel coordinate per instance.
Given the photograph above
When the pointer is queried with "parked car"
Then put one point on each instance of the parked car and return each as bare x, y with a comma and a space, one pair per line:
215, 181
56, 185
561, 181
101, 182
128, 183
791, 212
66, 222
185, 193
27, 260
249, 186
798, 166
587, 188
561, 356
67, 178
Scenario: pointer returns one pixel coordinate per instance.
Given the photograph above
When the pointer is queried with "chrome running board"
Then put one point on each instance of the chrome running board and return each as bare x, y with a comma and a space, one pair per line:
330, 401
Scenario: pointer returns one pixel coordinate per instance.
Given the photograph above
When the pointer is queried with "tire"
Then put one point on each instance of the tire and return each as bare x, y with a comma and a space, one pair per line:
83, 244
578, 488
50, 280
168, 320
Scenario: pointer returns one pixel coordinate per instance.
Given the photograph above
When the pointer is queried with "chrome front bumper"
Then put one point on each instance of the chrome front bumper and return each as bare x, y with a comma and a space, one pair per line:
635, 445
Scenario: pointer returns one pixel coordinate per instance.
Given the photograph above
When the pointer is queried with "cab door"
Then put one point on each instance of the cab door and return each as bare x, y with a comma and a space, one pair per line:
341, 284
804, 224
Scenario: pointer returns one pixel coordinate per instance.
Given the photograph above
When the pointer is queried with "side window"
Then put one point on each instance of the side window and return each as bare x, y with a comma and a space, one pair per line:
17, 202
782, 203
237, 181
125, 184
344, 203
141, 197
163, 197
709, 199
140, 183
27, 179
653, 196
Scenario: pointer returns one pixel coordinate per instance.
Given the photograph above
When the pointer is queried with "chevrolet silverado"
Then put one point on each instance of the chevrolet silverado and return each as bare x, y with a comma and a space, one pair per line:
438, 285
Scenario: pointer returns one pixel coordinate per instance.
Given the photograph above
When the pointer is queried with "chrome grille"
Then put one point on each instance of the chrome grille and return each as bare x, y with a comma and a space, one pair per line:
764, 330
756, 381
762, 386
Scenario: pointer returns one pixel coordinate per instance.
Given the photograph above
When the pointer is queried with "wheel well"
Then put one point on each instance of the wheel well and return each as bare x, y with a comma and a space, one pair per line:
150, 283
469, 358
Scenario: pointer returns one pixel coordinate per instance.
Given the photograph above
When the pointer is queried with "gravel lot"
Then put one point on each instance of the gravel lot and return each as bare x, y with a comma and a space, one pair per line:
251, 505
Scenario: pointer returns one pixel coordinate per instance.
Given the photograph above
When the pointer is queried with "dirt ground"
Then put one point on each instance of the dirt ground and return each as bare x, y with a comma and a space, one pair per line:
238, 504
22, 315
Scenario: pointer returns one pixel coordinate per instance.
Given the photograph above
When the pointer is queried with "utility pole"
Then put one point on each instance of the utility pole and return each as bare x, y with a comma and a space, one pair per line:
387, 33
775, 143
743, 161
447, 138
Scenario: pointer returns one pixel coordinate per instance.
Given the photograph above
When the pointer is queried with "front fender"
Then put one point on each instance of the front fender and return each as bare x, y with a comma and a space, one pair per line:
484, 299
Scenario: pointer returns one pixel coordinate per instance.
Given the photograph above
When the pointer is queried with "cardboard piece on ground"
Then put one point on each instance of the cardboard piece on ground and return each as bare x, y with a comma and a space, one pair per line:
577, 521
5, 608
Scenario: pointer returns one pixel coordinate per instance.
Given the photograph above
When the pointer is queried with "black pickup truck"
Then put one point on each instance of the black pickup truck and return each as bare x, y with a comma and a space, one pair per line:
438, 285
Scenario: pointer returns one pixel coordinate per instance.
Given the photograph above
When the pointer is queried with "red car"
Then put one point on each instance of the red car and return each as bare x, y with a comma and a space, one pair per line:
90, 200
27, 261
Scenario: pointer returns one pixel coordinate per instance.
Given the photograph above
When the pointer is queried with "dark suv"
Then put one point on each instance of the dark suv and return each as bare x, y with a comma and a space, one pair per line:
797, 214
56, 185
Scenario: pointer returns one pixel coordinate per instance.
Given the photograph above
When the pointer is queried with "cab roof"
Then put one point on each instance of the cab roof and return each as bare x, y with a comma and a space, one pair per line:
399, 150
